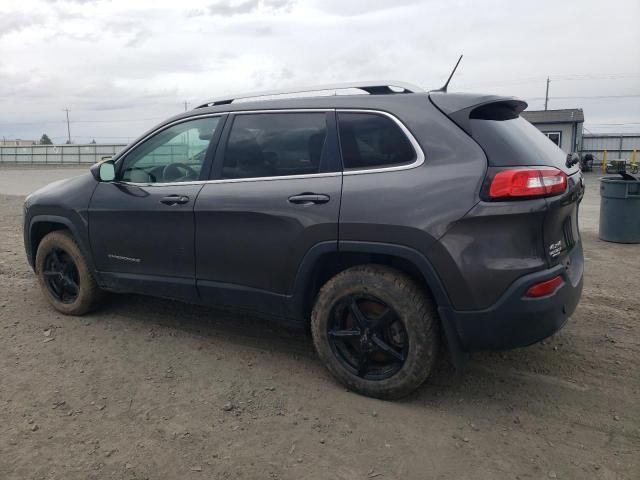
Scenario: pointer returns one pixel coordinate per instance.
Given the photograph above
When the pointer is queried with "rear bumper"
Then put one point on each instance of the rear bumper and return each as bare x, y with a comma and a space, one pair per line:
515, 321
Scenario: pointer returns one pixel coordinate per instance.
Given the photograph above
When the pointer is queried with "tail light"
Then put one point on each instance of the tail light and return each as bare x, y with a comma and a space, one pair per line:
545, 288
527, 182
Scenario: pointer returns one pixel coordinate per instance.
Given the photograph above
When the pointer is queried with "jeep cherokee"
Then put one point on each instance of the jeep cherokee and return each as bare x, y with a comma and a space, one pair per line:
388, 220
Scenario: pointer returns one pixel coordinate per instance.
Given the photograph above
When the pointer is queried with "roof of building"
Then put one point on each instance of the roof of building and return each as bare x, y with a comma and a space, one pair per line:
566, 115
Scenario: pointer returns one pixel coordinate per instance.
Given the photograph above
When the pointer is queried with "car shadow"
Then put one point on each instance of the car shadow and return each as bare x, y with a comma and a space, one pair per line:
485, 377
242, 327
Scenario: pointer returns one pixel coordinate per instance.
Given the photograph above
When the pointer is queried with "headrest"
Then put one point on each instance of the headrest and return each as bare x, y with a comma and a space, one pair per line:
243, 150
316, 142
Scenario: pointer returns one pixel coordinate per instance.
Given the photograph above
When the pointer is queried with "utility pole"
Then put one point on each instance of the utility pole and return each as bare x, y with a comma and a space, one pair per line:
68, 127
546, 97
186, 105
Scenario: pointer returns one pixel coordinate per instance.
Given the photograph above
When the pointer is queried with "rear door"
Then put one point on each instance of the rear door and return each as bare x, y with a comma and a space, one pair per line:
274, 194
141, 225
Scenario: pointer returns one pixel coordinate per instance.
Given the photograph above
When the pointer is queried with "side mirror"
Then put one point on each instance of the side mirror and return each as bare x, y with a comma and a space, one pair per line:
107, 171
104, 171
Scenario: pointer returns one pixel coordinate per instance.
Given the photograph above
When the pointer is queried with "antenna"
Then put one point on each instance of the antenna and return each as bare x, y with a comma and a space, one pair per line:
444, 87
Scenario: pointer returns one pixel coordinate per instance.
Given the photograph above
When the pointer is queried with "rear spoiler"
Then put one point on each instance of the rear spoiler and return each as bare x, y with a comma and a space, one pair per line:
462, 107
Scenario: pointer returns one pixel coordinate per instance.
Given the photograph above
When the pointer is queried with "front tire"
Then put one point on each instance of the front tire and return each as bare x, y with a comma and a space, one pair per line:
376, 331
64, 276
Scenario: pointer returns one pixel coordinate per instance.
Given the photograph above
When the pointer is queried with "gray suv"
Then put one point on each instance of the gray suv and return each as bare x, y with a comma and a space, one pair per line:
389, 220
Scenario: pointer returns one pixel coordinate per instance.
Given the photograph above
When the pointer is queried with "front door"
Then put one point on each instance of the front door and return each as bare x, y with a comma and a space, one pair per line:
141, 225
274, 195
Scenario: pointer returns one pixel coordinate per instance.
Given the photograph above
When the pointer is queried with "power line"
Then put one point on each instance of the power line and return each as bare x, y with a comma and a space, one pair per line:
596, 76
134, 120
587, 97
564, 77
115, 121
52, 122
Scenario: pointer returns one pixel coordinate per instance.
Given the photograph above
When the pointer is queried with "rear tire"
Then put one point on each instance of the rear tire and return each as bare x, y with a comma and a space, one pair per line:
64, 276
389, 350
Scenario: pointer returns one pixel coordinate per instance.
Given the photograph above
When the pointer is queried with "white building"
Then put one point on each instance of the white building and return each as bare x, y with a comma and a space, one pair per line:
563, 127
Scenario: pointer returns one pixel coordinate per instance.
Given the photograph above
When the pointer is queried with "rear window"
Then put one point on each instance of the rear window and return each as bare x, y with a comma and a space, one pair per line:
516, 143
370, 140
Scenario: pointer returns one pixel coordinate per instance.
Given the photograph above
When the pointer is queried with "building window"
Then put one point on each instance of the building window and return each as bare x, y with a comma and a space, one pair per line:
555, 137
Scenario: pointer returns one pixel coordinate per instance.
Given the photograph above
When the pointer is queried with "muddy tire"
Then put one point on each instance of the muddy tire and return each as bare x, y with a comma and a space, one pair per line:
64, 276
376, 331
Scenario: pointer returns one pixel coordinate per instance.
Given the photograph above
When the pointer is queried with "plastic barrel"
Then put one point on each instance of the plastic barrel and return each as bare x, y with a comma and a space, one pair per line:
619, 210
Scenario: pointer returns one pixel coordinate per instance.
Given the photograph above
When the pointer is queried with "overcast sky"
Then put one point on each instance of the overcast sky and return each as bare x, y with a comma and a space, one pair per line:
122, 66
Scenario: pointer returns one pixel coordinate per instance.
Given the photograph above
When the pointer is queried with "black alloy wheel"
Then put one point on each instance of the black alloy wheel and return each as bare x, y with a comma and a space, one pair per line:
61, 276
367, 337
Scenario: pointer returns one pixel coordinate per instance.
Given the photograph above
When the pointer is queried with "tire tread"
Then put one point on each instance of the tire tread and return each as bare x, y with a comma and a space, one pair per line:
414, 300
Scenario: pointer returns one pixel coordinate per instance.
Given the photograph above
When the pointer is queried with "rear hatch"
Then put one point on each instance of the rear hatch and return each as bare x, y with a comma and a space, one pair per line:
513, 145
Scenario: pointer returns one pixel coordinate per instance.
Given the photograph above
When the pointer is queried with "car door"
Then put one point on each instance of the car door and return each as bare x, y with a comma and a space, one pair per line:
274, 195
141, 225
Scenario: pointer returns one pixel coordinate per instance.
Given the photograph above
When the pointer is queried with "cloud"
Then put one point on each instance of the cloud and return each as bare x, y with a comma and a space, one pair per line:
78, 2
11, 22
228, 8
117, 62
361, 7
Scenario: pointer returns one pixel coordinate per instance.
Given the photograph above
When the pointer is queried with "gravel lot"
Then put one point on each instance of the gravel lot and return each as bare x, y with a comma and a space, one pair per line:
147, 388
21, 181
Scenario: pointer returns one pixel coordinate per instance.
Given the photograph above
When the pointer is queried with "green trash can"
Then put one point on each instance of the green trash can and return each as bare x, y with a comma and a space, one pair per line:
620, 209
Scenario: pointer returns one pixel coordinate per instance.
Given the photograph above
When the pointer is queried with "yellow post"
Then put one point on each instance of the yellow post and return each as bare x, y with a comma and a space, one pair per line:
604, 161
634, 159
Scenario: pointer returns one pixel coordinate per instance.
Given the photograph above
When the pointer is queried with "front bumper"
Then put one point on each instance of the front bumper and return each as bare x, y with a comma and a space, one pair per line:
516, 321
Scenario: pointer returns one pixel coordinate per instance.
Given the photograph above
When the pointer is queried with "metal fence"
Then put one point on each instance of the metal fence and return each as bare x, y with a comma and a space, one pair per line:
617, 146
57, 154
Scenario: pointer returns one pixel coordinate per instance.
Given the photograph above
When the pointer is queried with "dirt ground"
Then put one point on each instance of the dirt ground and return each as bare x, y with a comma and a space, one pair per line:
153, 389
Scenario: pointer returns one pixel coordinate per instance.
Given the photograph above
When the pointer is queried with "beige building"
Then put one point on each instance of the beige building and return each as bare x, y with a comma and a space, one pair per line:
17, 142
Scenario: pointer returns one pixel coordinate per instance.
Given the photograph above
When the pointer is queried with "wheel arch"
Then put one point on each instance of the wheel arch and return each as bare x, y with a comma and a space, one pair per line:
323, 261
41, 225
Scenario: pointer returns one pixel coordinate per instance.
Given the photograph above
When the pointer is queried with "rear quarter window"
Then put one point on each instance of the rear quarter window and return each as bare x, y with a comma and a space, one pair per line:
370, 140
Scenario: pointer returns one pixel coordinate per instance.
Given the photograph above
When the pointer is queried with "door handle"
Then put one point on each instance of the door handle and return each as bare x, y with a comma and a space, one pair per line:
309, 198
174, 200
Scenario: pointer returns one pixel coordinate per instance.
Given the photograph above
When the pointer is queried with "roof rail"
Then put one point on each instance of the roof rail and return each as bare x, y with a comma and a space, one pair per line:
373, 88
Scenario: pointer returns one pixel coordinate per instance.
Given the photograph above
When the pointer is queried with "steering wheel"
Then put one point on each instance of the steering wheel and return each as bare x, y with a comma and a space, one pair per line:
178, 171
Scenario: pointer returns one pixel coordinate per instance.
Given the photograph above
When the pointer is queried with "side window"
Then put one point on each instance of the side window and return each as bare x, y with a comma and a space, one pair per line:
172, 155
370, 140
275, 144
